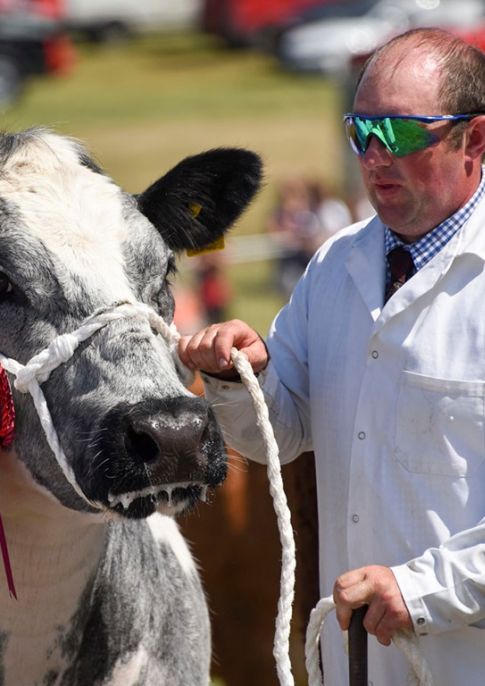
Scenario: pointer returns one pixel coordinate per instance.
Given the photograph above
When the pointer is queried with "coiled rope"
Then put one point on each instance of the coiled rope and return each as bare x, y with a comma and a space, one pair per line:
28, 378
406, 641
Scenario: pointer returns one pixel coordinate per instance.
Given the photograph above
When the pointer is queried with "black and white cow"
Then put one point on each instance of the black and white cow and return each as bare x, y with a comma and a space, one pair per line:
108, 594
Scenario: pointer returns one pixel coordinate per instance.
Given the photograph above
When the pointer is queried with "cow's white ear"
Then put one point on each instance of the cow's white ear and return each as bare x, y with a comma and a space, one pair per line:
202, 196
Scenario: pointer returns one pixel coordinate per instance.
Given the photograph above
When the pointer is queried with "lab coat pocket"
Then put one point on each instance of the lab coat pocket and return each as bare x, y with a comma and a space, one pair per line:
440, 425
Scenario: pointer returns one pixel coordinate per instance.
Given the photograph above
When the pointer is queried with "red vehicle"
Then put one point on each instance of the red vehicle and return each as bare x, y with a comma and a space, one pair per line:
245, 22
45, 8
32, 41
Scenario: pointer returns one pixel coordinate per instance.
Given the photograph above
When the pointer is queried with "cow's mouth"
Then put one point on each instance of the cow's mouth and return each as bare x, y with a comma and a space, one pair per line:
168, 499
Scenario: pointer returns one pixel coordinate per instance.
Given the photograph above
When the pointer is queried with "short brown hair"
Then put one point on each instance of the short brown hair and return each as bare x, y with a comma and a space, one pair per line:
463, 67
462, 88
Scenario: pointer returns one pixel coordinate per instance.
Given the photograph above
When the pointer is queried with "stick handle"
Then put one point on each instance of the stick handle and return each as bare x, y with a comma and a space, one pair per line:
358, 648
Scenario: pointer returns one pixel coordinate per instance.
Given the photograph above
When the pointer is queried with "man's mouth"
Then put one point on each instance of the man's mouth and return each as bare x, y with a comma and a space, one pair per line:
386, 186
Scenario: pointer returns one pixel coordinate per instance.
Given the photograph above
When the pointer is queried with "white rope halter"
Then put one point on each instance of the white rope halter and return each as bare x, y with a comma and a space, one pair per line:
60, 350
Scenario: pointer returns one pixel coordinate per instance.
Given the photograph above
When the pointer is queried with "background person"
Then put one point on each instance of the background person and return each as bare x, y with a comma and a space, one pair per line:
390, 395
292, 225
213, 287
332, 212
305, 215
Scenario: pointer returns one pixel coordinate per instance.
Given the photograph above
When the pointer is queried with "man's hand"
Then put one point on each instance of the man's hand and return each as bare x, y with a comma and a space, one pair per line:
377, 587
210, 348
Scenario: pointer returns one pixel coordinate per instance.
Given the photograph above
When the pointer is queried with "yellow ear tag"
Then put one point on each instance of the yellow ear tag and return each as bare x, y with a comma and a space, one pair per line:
195, 209
218, 244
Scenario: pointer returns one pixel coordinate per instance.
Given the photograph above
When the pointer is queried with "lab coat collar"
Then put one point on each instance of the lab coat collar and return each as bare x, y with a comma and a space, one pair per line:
365, 264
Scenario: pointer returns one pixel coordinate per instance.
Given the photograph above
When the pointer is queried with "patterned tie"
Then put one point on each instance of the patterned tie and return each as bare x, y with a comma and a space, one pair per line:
402, 267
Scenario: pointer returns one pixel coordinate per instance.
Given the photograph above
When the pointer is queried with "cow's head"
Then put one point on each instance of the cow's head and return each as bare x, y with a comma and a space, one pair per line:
73, 244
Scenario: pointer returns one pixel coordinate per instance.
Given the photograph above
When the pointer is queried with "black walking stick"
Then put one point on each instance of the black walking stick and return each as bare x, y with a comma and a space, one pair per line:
358, 648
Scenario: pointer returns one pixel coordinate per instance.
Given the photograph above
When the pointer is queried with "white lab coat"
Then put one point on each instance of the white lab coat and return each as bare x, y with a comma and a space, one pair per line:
392, 401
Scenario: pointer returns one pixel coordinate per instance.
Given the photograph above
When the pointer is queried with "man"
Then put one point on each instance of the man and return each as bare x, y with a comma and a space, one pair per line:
387, 385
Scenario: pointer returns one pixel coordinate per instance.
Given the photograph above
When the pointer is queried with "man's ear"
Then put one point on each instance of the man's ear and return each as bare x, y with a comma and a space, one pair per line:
199, 199
475, 146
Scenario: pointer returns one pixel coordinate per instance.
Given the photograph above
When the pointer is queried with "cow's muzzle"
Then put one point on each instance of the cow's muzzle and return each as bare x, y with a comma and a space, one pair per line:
60, 350
156, 454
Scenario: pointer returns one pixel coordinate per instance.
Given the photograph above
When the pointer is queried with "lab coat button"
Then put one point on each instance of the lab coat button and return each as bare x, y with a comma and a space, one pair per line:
356, 519
361, 435
375, 354
420, 621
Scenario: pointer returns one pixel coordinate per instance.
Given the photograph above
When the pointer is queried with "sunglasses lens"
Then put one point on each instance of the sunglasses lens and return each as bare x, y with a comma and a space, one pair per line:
400, 136
357, 139
410, 136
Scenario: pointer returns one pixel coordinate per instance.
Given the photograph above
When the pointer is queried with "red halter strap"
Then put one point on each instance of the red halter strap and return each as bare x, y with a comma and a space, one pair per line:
7, 411
7, 429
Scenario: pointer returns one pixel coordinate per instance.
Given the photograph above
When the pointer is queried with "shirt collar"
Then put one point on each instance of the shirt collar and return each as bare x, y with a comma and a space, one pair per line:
431, 243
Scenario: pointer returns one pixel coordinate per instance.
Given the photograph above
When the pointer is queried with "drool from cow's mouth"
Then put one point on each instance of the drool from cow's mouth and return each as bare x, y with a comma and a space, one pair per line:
175, 497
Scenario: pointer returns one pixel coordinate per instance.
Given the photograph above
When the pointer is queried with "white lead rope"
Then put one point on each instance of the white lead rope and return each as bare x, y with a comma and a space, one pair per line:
406, 641
281, 644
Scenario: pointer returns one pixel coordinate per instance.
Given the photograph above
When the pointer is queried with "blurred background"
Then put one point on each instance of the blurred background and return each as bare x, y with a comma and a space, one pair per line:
147, 83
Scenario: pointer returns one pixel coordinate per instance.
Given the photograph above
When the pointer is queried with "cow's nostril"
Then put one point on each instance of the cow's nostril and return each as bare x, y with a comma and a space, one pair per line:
141, 446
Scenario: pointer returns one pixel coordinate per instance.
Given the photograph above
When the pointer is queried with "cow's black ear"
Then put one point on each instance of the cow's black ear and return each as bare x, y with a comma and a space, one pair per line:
199, 199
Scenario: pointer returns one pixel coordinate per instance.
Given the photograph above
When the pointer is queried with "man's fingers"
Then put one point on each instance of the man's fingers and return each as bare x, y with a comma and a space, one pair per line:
210, 348
348, 599
223, 343
374, 615
197, 352
383, 631
348, 594
344, 615
394, 618
354, 576
354, 595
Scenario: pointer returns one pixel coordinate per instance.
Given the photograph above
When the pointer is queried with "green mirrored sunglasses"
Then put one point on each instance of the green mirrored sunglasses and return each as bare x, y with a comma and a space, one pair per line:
400, 134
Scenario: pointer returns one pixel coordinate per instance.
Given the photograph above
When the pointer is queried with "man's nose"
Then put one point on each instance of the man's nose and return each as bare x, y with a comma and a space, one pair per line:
376, 155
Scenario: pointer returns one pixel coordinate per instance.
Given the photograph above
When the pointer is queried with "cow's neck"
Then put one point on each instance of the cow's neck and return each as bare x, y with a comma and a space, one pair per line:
54, 553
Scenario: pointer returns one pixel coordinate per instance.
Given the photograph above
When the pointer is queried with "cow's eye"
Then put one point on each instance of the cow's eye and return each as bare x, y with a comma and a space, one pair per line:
5, 285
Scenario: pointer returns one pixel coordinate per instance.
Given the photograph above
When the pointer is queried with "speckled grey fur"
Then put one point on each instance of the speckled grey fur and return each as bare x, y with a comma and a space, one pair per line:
141, 610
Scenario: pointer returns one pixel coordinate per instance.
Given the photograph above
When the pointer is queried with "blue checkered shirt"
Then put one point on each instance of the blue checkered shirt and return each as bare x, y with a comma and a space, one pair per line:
431, 243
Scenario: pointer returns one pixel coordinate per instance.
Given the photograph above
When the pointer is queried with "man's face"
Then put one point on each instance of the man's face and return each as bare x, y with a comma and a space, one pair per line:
411, 194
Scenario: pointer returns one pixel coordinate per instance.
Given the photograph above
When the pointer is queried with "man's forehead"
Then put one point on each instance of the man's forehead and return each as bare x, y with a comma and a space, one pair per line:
401, 81
408, 58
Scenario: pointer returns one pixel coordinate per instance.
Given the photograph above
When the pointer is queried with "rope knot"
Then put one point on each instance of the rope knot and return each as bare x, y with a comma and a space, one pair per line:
25, 376
62, 348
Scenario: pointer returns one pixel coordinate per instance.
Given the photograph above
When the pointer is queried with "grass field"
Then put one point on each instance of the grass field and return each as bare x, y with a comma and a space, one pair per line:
144, 105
